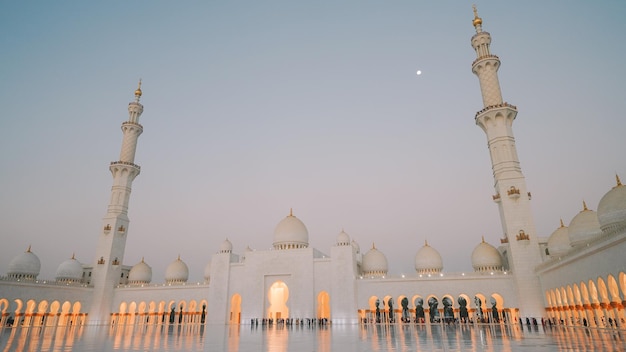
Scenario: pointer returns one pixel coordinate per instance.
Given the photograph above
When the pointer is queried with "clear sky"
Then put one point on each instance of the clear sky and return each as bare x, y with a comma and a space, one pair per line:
255, 107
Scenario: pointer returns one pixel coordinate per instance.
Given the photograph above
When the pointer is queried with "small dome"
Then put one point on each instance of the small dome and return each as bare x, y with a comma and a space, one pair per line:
428, 260
356, 246
612, 208
343, 239
291, 233
584, 227
71, 270
486, 258
558, 242
207, 272
177, 272
226, 247
140, 273
374, 263
24, 266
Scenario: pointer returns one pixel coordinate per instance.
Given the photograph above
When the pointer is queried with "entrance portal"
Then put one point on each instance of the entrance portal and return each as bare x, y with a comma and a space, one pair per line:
278, 295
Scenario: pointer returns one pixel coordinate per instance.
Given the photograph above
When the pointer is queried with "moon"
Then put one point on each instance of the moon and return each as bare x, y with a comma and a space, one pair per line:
419, 72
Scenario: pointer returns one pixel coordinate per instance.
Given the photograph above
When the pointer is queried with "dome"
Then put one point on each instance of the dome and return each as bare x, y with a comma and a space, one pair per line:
24, 266
226, 247
584, 227
140, 273
486, 258
374, 263
343, 239
177, 272
428, 260
612, 208
71, 270
207, 272
291, 233
558, 242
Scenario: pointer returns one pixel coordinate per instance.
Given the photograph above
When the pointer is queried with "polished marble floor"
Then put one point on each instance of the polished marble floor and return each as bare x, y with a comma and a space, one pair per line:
409, 337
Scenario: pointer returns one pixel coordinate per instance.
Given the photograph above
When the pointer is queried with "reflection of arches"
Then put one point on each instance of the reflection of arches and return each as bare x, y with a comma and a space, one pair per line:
323, 305
278, 295
235, 309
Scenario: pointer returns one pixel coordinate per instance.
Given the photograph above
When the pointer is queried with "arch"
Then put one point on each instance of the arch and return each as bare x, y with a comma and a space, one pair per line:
585, 293
65, 313
622, 283
323, 305
603, 291
278, 295
54, 314
235, 309
577, 295
613, 289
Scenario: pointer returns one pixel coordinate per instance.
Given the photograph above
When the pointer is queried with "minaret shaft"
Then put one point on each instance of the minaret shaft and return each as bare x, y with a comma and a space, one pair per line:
107, 266
496, 120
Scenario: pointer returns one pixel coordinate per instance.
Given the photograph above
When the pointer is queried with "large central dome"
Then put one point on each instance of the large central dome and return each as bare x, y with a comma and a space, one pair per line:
291, 233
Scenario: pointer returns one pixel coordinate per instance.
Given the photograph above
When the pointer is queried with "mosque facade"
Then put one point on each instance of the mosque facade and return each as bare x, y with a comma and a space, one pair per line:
577, 275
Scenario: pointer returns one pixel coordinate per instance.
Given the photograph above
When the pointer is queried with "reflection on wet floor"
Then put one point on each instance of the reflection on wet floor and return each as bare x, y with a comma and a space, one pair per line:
368, 337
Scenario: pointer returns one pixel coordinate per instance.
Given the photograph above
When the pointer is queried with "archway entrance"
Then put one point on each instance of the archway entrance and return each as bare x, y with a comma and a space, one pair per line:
235, 309
278, 295
323, 305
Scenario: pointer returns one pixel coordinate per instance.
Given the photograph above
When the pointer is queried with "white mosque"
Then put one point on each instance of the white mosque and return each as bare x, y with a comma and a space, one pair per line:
575, 276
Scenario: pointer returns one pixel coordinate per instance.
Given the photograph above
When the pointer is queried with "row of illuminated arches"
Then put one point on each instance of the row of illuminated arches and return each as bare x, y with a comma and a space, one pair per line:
41, 313
478, 307
162, 312
597, 302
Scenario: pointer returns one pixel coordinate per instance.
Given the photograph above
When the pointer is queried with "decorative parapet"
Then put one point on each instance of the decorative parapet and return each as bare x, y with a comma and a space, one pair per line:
107, 229
522, 236
121, 229
504, 240
513, 192
115, 261
496, 197
101, 260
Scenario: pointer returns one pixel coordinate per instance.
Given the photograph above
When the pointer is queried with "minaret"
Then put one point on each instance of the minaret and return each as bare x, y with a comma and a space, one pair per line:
107, 266
512, 196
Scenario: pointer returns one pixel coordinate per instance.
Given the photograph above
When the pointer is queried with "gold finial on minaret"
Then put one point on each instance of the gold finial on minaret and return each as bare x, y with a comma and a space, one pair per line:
138, 90
619, 183
584, 206
562, 225
477, 20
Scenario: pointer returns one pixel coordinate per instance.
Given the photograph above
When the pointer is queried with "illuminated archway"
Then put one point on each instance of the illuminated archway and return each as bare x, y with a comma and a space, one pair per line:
278, 295
235, 309
323, 305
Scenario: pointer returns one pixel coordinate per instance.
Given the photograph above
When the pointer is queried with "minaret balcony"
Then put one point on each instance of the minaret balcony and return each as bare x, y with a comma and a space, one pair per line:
513, 192
125, 163
491, 107
107, 229
484, 57
496, 198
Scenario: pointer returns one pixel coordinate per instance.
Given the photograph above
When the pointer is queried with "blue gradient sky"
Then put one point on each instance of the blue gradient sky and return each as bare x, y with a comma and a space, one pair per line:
254, 107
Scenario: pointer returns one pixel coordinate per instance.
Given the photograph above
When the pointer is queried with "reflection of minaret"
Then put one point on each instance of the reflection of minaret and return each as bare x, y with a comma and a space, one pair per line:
512, 196
107, 266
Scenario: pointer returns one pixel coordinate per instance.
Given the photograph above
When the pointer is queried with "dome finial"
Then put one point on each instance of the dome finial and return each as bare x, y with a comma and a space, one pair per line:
290, 211
142, 260
74, 255
425, 243
373, 245
483, 239
138, 90
562, 225
619, 183
584, 206
28, 250
178, 257
477, 20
